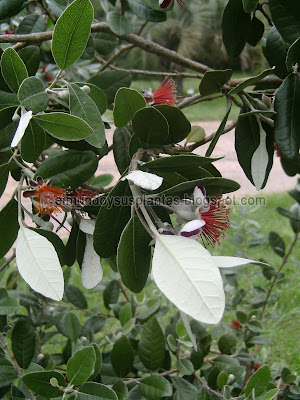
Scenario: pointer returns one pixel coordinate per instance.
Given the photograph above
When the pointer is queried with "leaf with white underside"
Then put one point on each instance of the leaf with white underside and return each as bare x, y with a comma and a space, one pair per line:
186, 273
260, 160
91, 270
145, 180
38, 264
87, 226
229, 262
23, 123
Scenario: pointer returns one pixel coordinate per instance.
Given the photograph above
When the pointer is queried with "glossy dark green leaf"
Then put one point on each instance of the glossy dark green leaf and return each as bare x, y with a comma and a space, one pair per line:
277, 243
69, 326
251, 81
184, 366
24, 341
212, 81
16, 393
32, 94
8, 100
56, 241
139, 8
295, 217
93, 325
9, 226
81, 365
9, 8
247, 140
111, 293
31, 56
110, 82
121, 141
13, 69
155, 387
69, 168
291, 167
7, 372
235, 27
6, 116
27, 299
89, 51
150, 126
4, 171
111, 220
179, 126
95, 391
98, 361
184, 389
80, 247
39, 383
70, 254
256, 31
229, 365
64, 126
222, 379
249, 5
152, 345
134, 255
120, 389
122, 357
75, 296
33, 142
276, 52
71, 33
118, 23
8, 305
127, 103
97, 95
258, 381
293, 55
287, 119
32, 23
286, 17
178, 162
227, 344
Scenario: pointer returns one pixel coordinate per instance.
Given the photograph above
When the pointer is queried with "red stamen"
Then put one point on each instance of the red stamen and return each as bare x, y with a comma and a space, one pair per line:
216, 222
49, 199
165, 93
235, 325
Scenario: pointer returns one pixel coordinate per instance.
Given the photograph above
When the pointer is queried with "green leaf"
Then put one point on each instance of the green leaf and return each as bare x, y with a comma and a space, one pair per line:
81, 365
71, 33
95, 391
31, 56
177, 163
155, 387
185, 366
69, 168
82, 106
127, 103
134, 255
251, 81
256, 31
64, 126
227, 344
271, 394
75, 296
9, 226
196, 135
93, 325
120, 389
70, 254
229, 365
4, 171
32, 94
98, 361
111, 293
286, 17
235, 27
277, 243
33, 142
249, 5
69, 326
33, 23
8, 305
122, 357
118, 23
57, 6
39, 383
104, 43
110, 82
13, 69
24, 342
27, 299
125, 314
9, 8
258, 381
287, 119
151, 346
111, 220
142, 11
276, 52
97, 95
295, 214
179, 126
121, 140
184, 389
8, 100
222, 379
212, 81
293, 55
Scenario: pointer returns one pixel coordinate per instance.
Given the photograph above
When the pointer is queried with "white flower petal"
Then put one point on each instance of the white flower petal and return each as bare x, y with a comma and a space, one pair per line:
144, 180
192, 229
200, 200
23, 123
87, 226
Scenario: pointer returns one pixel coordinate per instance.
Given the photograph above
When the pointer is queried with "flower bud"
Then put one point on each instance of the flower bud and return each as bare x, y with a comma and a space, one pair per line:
64, 95
16, 117
86, 89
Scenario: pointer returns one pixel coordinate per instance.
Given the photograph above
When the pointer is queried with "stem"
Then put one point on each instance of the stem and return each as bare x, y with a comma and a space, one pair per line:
165, 373
81, 309
56, 79
124, 292
205, 385
11, 258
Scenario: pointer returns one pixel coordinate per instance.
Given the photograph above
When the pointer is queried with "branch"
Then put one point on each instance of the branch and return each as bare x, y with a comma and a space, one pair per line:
81, 309
114, 56
206, 387
11, 258
197, 98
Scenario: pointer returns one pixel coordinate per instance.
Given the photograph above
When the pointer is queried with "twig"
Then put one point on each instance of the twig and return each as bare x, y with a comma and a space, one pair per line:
124, 292
47, 11
11, 258
97, 190
41, 324
165, 373
81, 309
197, 98
205, 385
115, 56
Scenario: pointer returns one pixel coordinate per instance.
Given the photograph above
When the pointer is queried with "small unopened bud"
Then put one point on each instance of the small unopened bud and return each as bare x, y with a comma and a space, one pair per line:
86, 89
16, 117
64, 95
40, 357
51, 309
54, 382
267, 101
